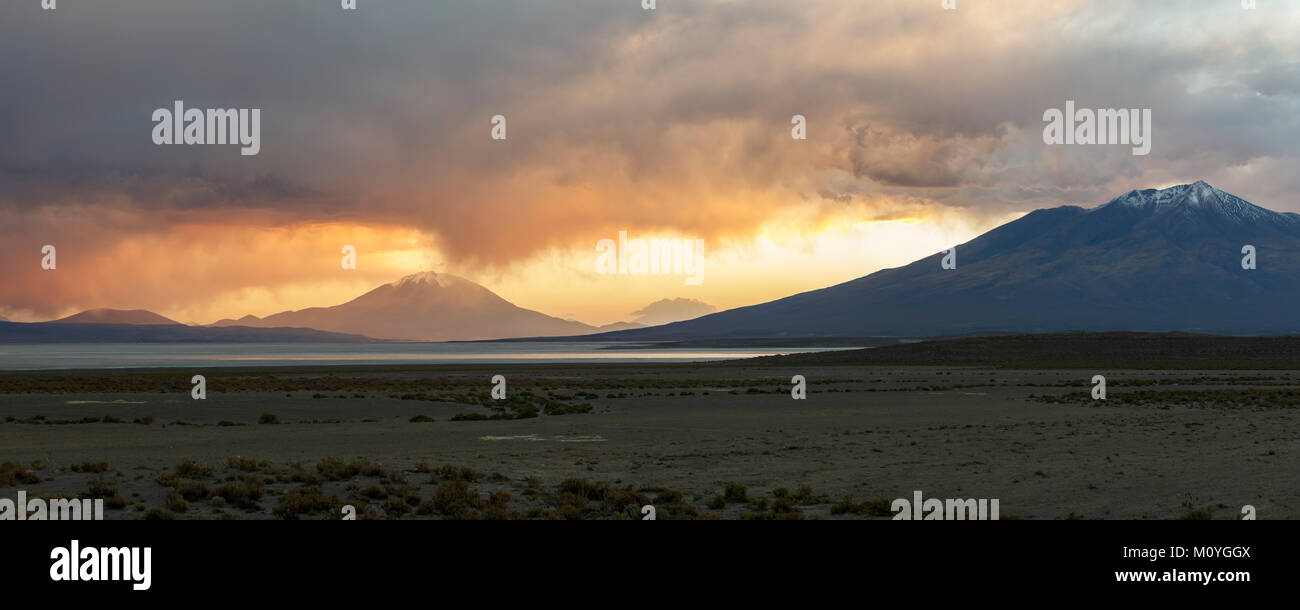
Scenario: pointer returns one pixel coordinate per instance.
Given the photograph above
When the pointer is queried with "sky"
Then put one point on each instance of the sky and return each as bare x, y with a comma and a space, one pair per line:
924, 129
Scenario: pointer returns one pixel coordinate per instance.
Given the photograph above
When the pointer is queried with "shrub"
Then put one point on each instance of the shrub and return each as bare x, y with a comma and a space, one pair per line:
453, 499
176, 503
447, 472
193, 470
584, 489
235, 462
245, 494
374, 492
844, 506
305, 501
99, 488
735, 493
880, 507
335, 469
12, 474
192, 490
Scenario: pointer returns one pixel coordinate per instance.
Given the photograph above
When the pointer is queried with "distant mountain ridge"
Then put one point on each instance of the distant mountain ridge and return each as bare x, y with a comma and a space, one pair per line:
665, 311
423, 307
65, 332
1149, 260
1154, 260
115, 316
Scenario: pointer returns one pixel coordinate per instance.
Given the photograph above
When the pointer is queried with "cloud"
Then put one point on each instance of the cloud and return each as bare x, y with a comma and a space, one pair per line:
674, 120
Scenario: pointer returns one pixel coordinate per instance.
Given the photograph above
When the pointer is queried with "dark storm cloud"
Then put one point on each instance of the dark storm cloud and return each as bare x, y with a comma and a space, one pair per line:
383, 112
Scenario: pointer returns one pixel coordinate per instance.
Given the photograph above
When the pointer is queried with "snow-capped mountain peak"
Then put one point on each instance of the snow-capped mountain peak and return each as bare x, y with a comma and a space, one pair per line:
1198, 197
425, 278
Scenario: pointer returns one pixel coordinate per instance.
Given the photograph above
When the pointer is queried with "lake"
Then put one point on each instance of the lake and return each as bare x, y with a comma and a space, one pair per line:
53, 356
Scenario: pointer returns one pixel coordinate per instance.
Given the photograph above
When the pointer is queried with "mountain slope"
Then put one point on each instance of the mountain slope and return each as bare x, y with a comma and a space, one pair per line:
115, 316
423, 307
1152, 260
1102, 351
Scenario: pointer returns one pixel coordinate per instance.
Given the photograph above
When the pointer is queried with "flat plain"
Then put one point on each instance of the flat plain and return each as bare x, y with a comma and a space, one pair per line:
718, 440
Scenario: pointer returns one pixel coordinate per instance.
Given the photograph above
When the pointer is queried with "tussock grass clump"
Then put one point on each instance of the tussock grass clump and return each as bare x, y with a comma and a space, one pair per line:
90, 467
12, 474
735, 493
307, 500
583, 499
454, 500
241, 464
176, 503
243, 494
297, 476
803, 496
1213, 398
159, 514
558, 408
335, 469
584, 489
193, 470
498, 506
374, 492
447, 472
396, 506
844, 506
879, 507
101, 489
191, 490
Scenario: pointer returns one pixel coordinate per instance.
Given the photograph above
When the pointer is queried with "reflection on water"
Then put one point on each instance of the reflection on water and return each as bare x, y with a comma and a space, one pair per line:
150, 355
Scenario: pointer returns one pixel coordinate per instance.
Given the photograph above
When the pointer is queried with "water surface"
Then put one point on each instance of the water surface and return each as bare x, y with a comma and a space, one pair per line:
52, 356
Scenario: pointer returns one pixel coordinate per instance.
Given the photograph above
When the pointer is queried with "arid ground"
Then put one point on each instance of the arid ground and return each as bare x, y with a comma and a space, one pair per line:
696, 441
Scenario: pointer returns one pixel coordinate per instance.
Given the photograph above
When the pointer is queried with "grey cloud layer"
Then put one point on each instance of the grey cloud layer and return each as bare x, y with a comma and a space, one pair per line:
384, 111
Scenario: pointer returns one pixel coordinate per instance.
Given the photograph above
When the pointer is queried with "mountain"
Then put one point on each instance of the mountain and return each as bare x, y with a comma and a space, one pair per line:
64, 332
1151, 260
423, 307
665, 311
115, 316
604, 328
